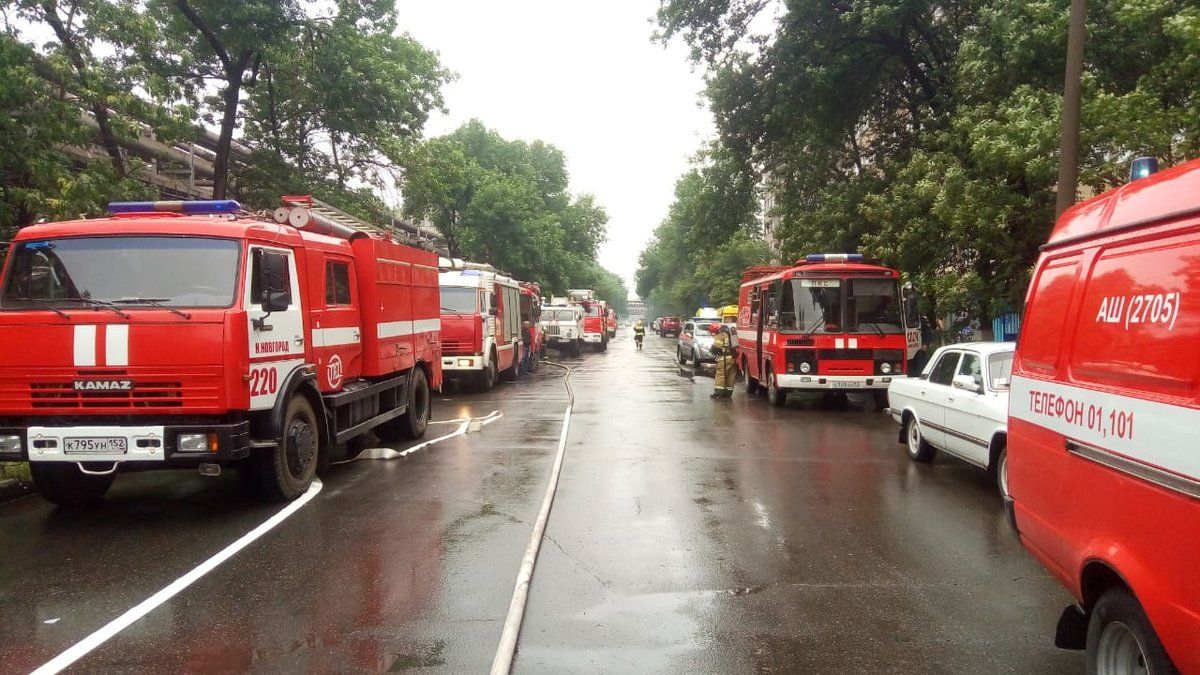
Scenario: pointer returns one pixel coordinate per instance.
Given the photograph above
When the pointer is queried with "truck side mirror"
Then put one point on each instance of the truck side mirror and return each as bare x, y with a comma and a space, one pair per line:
494, 311
275, 301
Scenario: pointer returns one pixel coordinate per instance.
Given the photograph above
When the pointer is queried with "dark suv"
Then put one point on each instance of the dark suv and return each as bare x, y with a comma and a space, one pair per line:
668, 325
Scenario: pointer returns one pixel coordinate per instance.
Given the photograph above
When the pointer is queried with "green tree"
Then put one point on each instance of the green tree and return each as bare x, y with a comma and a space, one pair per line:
506, 202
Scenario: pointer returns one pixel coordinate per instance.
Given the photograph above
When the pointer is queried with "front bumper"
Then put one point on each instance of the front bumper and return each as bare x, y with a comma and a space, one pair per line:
558, 339
593, 338
150, 444
461, 363
835, 382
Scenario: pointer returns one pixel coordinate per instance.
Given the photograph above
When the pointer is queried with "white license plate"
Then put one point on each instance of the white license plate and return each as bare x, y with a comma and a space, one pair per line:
110, 445
837, 384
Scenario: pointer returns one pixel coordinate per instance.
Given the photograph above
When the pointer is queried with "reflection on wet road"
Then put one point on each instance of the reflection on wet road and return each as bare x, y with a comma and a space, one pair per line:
687, 535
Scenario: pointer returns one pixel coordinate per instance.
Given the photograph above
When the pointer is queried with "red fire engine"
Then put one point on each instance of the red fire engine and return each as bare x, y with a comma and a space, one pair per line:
610, 322
192, 334
531, 311
1104, 465
831, 322
595, 311
482, 311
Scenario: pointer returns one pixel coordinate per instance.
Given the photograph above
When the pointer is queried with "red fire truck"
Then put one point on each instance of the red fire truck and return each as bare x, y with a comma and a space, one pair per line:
610, 322
830, 323
1104, 465
531, 311
481, 323
193, 334
595, 311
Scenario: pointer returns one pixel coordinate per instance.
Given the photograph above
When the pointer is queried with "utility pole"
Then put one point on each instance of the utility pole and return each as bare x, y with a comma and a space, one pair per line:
1068, 161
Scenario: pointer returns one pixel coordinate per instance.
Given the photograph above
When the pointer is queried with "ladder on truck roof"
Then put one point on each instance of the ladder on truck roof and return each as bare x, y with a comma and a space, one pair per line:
332, 213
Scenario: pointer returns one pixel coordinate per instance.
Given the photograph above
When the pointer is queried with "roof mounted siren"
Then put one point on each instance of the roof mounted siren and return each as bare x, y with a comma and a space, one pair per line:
1142, 167
209, 207
833, 258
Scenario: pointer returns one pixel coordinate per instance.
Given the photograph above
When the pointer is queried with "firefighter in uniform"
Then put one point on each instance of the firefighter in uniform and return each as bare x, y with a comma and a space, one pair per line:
639, 333
725, 370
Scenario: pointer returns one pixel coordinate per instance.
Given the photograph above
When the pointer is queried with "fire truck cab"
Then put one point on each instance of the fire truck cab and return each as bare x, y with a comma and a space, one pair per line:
191, 334
829, 323
481, 323
1104, 464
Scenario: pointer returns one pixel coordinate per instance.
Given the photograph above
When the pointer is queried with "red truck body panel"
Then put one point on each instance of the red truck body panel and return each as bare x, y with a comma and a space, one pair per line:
1103, 462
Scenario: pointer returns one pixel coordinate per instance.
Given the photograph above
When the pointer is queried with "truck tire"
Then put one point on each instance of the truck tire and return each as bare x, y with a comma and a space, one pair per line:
881, 399
287, 470
919, 450
575, 350
65, 485
488, 376
415, 420
1121, 639
603, 345
775, 396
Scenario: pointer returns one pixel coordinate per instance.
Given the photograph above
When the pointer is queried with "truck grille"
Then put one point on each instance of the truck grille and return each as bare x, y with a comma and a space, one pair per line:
197, 388
143, 395
452, 346
553, 331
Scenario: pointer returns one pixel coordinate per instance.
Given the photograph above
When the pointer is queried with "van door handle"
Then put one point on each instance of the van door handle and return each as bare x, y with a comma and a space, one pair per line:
356, 334
299, 339
949, 399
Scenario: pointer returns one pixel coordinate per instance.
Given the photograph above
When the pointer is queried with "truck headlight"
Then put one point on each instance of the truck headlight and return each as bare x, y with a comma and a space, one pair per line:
10, 444
464, 363
197, 443
886, 369
804, 367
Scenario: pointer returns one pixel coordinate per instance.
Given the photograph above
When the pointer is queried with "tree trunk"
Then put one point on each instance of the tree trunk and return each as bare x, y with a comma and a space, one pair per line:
231, 98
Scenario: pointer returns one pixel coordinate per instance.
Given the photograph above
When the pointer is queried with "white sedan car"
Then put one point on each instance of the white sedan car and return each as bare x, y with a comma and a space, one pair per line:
959, 405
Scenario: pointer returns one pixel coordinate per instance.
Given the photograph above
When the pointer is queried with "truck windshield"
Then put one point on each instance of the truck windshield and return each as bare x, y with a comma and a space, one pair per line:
561, 315
459, 300
811, 306
170, 271
873, 306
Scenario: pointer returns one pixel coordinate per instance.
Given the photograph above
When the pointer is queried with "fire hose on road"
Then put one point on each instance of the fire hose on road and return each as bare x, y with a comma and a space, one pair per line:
506, 650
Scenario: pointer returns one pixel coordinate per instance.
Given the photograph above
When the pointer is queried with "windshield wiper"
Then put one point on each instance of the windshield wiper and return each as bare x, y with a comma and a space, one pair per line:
153, 302
452, 311
46, 303
813, 328
101, 304
874, 325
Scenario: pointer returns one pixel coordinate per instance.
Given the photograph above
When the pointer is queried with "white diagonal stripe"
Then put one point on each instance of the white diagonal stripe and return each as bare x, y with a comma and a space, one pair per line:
85, 345
116, 344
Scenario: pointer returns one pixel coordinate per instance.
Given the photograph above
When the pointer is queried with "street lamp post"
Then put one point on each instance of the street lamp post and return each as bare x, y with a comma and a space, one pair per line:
1068, 162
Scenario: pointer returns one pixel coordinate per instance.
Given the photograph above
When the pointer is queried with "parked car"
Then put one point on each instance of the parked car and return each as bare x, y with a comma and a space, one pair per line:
669, 325
695, 343
959, 405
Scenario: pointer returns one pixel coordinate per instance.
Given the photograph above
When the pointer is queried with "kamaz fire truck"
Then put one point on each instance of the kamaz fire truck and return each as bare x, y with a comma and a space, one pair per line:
595, 311
481, 323
829, 323
194, 334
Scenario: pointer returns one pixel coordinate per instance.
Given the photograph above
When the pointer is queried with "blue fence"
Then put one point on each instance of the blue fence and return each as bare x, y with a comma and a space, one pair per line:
1006, 327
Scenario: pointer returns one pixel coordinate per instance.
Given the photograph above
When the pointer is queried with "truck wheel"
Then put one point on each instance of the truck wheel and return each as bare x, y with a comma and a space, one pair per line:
576, 350
287, 470
1121, 640
752, 385
65, 485
775, 396
603, 346
411, 424
488, 376
919, 450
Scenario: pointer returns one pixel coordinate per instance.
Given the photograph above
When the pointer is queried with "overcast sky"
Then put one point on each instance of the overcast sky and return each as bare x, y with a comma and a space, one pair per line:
585, 77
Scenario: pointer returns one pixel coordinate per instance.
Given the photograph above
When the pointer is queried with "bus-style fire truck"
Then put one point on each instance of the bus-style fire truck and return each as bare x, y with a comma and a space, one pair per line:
481, 323
194, 334
832, 322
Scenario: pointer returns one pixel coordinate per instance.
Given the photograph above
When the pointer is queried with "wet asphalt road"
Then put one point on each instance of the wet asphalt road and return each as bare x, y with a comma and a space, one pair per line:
687, 535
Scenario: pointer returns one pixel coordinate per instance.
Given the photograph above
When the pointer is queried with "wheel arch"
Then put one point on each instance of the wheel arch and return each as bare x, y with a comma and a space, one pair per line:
301, 381
998, 442
907, 414
1097, 577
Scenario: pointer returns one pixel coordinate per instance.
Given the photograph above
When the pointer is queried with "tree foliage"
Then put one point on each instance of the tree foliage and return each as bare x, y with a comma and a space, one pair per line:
709, 236
926, 133
507, 202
